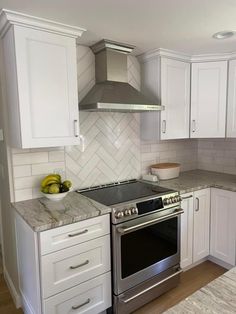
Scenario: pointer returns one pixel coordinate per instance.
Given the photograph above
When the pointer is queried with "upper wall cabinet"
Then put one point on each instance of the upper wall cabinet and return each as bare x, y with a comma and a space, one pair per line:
167, 81
231, 114
208, 99
40, 81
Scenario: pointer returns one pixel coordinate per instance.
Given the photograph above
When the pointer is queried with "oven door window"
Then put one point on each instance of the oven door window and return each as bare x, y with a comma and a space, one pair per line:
147, 246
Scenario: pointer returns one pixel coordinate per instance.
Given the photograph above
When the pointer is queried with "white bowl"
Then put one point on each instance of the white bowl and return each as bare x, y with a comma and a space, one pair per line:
56, 197
166, 171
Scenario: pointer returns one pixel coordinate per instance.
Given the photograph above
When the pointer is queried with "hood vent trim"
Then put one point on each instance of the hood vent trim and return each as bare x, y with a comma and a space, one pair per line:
112, 92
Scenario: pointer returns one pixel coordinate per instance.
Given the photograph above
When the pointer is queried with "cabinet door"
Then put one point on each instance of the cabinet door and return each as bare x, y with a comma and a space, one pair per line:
186, 230
223, 229
208, 99
175, 96
201, 224
231, 114
47, 88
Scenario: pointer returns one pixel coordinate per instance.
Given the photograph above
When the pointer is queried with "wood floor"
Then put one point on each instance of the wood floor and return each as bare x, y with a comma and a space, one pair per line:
191, 281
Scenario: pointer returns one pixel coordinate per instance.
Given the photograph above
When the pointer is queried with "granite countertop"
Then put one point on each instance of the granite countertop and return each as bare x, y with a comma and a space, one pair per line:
42, 214
219, 296
190, 181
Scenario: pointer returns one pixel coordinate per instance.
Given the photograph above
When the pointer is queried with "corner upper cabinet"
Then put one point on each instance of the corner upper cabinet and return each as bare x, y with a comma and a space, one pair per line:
231, 113
40, 81
166, 81
208, 99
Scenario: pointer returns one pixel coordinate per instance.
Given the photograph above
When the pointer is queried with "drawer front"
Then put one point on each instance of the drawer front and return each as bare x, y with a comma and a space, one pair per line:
91, 297
79, 232
69, 267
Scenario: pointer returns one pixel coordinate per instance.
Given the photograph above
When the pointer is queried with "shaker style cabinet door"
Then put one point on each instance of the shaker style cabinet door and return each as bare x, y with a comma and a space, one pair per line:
208, 99
223, 230
231, 113
175, 96
41, 87
201, 225
186, 251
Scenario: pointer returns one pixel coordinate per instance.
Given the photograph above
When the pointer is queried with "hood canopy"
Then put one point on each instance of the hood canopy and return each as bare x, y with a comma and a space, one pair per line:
112, 91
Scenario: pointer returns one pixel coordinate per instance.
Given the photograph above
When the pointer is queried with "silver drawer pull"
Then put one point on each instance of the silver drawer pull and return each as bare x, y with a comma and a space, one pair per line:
80, 265
186, 197
78, 233
75, 307
76, 128
197, 203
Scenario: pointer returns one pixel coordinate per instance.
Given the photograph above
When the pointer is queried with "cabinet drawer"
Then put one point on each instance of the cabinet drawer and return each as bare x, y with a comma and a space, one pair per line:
63, 237
91, 297
67, 268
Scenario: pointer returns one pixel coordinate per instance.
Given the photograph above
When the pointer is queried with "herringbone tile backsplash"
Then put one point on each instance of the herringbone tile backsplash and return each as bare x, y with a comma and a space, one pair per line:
113, 151
112, 147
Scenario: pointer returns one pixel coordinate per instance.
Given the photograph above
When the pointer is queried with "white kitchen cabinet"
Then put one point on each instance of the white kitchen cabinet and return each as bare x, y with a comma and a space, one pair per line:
195, 227
208, 99
40, 82
231, 109
201, 224
166, 81
223, 228
175, 96
69, 276
186, 251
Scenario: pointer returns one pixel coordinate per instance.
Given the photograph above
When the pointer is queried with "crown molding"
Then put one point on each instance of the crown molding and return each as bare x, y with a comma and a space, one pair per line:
160, 52
8, 18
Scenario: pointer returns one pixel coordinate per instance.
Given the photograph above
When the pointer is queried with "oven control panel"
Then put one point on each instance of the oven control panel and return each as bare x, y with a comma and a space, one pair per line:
128, 211
171, 200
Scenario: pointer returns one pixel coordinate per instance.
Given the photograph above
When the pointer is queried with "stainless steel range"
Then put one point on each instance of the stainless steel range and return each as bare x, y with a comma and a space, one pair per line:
145, 240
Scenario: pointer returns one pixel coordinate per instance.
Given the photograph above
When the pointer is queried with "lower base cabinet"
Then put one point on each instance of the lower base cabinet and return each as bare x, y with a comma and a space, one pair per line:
223, 225
195, 227
65, 270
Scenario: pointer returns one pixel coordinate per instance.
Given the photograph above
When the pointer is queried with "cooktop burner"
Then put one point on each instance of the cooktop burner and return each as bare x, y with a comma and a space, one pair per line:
122, 192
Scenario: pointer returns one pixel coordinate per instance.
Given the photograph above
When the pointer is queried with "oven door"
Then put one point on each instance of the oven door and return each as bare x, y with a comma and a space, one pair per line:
145, 247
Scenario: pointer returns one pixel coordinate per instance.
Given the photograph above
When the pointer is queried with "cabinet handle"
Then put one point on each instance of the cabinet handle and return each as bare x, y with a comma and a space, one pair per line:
80, 265
186, 197
197, 207
78, 233
75, 307
163, 126
76, 128
194, 126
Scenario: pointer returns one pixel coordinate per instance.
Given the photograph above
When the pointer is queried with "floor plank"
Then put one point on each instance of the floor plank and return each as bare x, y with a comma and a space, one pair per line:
190, 281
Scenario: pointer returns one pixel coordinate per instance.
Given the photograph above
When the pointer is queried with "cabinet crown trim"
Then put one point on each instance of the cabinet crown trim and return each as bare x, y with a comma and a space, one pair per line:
8, 18
160, 52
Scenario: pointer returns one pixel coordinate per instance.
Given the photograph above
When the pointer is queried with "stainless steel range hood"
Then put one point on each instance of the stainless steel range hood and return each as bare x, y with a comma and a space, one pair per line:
112, 91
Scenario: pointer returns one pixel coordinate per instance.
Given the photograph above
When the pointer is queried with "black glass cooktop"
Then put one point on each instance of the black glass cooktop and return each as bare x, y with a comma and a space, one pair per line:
120, 193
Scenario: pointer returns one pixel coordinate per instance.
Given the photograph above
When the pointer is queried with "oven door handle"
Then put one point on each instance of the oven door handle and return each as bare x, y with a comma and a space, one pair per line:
150, 222
152, 287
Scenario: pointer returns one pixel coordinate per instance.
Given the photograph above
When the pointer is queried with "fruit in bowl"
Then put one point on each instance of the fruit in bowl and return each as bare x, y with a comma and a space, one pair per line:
53, 188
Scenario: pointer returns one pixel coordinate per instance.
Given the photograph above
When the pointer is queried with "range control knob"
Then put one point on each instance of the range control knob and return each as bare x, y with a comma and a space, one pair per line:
119, 214
128, 212
134, 210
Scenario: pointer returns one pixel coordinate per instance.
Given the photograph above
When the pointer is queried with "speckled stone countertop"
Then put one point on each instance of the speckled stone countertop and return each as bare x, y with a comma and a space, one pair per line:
218, 297
42, 214
190, 181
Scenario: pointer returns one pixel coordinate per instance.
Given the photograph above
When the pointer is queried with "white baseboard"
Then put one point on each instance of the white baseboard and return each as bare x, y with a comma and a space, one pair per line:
15, 295
219, 262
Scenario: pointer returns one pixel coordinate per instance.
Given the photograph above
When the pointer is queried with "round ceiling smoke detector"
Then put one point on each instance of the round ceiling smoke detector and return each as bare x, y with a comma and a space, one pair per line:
223, 34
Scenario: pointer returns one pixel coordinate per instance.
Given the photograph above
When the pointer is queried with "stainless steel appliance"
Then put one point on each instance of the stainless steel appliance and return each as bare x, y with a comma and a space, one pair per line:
112, 92
145, 241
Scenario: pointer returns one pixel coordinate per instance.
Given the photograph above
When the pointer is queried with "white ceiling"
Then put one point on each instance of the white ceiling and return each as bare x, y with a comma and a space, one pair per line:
182, 25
